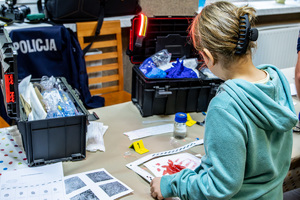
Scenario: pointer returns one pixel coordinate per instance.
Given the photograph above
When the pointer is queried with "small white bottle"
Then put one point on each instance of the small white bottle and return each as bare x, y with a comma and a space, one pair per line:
180, 125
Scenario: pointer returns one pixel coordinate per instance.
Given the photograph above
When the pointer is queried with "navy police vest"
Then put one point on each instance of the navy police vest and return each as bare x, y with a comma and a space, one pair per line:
53, 51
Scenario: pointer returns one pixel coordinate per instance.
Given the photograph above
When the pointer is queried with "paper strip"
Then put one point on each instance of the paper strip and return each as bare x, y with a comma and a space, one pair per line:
145, 132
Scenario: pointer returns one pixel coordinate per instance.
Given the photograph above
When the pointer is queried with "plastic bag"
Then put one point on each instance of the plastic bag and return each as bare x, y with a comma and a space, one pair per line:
208, 73
94, 136
48, 83
150, 67
57, 101
161, 58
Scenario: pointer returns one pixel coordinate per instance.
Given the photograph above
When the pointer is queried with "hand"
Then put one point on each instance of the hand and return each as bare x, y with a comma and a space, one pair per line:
155, 188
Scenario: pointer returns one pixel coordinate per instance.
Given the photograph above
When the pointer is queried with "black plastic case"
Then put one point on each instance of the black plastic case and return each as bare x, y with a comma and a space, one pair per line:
167, 96
49, 140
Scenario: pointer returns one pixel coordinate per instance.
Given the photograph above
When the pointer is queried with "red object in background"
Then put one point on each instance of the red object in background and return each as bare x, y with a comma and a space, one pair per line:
171, 168
142, 26
9, 81
148, 29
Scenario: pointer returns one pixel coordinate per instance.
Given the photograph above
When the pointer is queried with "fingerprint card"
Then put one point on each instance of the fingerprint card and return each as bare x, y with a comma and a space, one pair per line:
35, 183
167, 165
96, 185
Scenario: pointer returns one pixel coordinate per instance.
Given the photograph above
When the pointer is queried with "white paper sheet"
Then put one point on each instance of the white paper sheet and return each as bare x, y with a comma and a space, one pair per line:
34, 183
293, 89
164, 165
145, 132
27, 91
96, 185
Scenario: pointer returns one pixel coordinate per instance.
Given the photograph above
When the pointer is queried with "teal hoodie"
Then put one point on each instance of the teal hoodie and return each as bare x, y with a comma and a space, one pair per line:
248, 143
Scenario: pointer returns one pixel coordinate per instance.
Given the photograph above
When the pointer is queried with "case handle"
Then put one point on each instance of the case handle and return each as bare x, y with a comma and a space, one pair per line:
161, 92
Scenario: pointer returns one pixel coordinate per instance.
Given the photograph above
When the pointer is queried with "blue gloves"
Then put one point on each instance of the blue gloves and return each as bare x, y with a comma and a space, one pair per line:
150, 70
180, 71
156, 73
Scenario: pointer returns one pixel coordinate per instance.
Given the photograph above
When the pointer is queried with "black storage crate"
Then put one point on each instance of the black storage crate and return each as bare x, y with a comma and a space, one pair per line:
48, 140
167, 96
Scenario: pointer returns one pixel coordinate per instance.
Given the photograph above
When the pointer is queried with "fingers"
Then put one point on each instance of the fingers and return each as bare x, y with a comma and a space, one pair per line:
155, 189
154, 195
153, 192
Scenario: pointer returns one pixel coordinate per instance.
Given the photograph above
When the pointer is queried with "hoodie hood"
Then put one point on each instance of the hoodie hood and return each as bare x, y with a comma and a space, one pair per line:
269, 105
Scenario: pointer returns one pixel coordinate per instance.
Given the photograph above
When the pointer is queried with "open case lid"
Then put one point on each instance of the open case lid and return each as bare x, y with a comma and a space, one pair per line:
149, 35
9, 74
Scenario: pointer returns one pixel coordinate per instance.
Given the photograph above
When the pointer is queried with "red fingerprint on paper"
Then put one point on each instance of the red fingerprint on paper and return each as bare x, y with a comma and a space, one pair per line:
172, 168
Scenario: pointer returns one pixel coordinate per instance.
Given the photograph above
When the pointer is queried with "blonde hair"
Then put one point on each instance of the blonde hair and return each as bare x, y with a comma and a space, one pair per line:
216, 28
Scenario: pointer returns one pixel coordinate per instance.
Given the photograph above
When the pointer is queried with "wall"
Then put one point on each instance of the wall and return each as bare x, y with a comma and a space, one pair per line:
126, 62
277, 42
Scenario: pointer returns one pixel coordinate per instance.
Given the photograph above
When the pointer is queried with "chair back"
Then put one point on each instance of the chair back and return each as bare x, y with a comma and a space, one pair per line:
104, 59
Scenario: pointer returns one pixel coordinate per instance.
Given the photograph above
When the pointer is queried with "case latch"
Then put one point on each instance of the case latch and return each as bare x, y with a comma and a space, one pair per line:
161, 92
38, 162
77, 156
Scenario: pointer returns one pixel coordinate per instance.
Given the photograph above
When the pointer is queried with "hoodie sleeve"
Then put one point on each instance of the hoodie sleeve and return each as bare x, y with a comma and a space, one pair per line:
221, 172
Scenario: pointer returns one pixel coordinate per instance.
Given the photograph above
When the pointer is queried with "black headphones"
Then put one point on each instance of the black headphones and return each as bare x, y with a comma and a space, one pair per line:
246, 34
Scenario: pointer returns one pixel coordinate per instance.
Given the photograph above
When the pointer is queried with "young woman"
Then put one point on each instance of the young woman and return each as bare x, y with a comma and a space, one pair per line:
248, 128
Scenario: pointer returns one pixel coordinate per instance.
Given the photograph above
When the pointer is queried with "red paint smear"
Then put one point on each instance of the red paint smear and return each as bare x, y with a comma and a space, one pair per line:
158, 169
158, 164
171, 168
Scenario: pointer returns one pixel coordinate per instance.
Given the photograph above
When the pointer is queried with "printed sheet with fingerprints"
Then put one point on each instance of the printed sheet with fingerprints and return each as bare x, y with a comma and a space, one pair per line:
96, 185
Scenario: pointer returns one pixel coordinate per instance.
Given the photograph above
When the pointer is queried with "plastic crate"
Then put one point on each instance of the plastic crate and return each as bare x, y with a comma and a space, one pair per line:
167, 96
48, 140
57, 139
